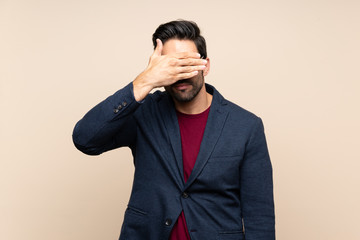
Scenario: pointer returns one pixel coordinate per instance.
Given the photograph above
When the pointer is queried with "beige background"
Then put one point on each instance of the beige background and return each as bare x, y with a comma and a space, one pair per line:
293, 63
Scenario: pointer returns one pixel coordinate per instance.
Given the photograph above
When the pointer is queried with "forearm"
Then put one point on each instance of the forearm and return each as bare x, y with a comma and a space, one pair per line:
108, 125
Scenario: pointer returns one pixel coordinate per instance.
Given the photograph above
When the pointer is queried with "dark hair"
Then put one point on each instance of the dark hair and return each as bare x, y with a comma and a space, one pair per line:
182, 30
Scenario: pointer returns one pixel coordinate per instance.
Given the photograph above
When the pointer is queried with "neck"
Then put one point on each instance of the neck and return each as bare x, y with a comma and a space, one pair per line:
200, 103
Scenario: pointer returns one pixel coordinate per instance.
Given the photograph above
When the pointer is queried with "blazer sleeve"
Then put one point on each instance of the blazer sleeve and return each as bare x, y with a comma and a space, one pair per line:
108, 125
257, 200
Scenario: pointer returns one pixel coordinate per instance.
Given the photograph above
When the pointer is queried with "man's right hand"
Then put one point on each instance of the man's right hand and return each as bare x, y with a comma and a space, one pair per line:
164, 70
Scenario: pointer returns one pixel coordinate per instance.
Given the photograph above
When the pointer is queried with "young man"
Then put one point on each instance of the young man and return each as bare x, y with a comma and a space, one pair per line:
202, 168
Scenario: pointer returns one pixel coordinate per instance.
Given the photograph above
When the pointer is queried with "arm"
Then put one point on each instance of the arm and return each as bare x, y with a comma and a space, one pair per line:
111, 124
108, 125
257, 188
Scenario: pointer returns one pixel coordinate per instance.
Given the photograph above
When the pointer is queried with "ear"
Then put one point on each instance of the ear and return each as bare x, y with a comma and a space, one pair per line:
207, 68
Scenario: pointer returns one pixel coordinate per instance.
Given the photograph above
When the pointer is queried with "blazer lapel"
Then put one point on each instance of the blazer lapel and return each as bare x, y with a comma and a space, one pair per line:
215, 123
172, 126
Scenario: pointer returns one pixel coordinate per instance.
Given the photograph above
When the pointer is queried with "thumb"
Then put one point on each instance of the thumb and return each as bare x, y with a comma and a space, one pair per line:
159, 47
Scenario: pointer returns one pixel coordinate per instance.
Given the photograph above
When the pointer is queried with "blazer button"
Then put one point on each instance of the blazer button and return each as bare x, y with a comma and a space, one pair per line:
168, 222
185, 195
116, 110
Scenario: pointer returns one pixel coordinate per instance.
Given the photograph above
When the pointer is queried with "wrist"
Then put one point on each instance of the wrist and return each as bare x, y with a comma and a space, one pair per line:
141, 87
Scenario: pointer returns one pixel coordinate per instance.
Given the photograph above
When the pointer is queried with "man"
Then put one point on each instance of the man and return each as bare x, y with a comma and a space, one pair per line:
202, 168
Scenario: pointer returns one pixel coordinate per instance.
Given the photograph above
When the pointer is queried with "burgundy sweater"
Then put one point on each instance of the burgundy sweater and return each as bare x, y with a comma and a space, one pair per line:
192, 128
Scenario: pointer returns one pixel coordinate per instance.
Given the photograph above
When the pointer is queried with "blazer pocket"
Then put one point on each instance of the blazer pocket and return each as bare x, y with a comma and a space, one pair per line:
231, 235
135, 211
225, 158
134, 224
134, 217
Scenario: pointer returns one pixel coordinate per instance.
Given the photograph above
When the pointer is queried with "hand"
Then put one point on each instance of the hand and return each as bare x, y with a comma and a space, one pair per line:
164, 70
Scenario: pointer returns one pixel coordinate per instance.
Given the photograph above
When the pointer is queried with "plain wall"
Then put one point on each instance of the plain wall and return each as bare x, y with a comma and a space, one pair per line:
293, 63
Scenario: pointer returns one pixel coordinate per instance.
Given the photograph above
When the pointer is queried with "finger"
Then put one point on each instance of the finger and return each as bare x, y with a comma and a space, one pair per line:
186, 75
191, 62
189, 69
182, 55
159, 47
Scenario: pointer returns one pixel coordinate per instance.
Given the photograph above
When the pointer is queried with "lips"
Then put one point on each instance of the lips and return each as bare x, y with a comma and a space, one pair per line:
181, 86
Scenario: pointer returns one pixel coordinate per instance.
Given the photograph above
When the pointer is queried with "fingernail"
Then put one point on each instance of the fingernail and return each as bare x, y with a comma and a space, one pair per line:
199, 55
204, 61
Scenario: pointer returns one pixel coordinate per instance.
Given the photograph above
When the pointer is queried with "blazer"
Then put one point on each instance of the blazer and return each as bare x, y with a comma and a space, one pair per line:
229, 194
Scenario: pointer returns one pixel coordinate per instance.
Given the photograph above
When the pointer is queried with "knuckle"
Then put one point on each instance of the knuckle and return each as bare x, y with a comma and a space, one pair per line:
190, 61
170, 73
199, 62
187, 75
188, 69
178, 70
172, 62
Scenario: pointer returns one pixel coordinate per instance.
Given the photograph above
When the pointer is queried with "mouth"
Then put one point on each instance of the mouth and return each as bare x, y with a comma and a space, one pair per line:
181, 85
